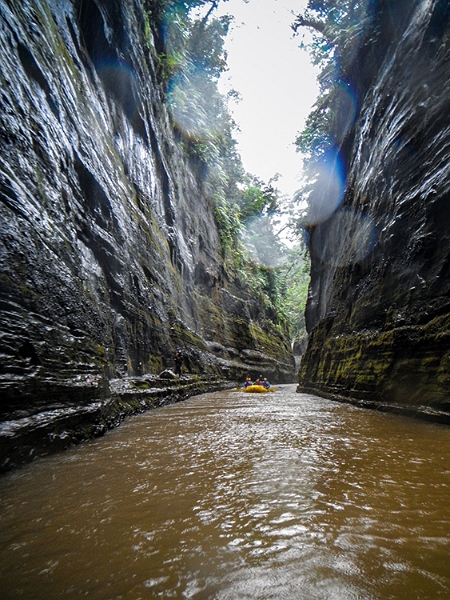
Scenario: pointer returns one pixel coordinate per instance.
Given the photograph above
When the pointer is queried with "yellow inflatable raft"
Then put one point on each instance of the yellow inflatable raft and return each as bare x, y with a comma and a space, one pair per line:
257, 389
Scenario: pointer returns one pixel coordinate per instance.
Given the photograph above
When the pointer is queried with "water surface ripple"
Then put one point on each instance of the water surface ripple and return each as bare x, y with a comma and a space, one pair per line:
235, 496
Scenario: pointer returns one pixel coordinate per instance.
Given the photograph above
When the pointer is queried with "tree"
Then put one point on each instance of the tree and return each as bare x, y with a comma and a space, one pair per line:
257, 198
337, 27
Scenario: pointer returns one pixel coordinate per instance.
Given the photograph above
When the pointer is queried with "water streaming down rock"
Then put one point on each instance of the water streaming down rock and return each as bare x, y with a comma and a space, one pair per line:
379, 307
110, 254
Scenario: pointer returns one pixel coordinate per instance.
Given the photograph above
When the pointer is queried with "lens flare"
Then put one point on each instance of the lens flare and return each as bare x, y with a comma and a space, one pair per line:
345, 104
347, 238
328, 187
120, 82
262, 245
191, 103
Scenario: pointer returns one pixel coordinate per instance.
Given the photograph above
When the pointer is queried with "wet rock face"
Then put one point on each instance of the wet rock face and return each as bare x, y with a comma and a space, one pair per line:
109, 251
379, 308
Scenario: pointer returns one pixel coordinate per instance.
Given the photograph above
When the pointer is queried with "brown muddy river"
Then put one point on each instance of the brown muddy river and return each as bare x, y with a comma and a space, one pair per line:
236, 496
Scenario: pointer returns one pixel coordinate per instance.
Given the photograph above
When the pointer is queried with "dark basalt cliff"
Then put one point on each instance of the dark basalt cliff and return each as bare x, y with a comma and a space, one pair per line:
110, 255
379, 302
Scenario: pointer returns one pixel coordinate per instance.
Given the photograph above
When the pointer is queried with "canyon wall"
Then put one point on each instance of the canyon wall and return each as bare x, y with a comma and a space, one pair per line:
109, 249
379, 301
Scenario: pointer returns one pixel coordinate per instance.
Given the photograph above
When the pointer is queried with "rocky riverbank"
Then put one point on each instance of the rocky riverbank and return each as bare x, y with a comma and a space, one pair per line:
29, 434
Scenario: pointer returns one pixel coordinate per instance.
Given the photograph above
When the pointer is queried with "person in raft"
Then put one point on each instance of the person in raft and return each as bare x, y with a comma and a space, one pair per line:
259, 380
248, 382
265, 383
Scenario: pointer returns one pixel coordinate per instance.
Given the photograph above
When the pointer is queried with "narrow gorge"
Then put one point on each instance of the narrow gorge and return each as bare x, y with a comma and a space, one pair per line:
111, 248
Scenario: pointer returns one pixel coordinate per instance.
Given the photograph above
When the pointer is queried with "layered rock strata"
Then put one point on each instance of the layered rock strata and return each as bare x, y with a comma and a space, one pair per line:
109, 250
56, 427
379, 301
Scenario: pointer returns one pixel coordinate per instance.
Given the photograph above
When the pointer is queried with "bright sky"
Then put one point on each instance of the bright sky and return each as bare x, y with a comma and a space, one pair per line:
277, 83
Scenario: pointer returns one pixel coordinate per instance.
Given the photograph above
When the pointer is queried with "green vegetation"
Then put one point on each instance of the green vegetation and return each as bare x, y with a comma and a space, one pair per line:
248, 211
294, 277
336, 27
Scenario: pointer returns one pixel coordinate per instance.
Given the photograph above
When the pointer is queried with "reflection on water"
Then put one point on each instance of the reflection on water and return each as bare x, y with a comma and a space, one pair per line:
236, 496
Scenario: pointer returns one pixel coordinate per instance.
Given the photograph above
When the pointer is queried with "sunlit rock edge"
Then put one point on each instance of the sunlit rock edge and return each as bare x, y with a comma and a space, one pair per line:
110, 255
380, 324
